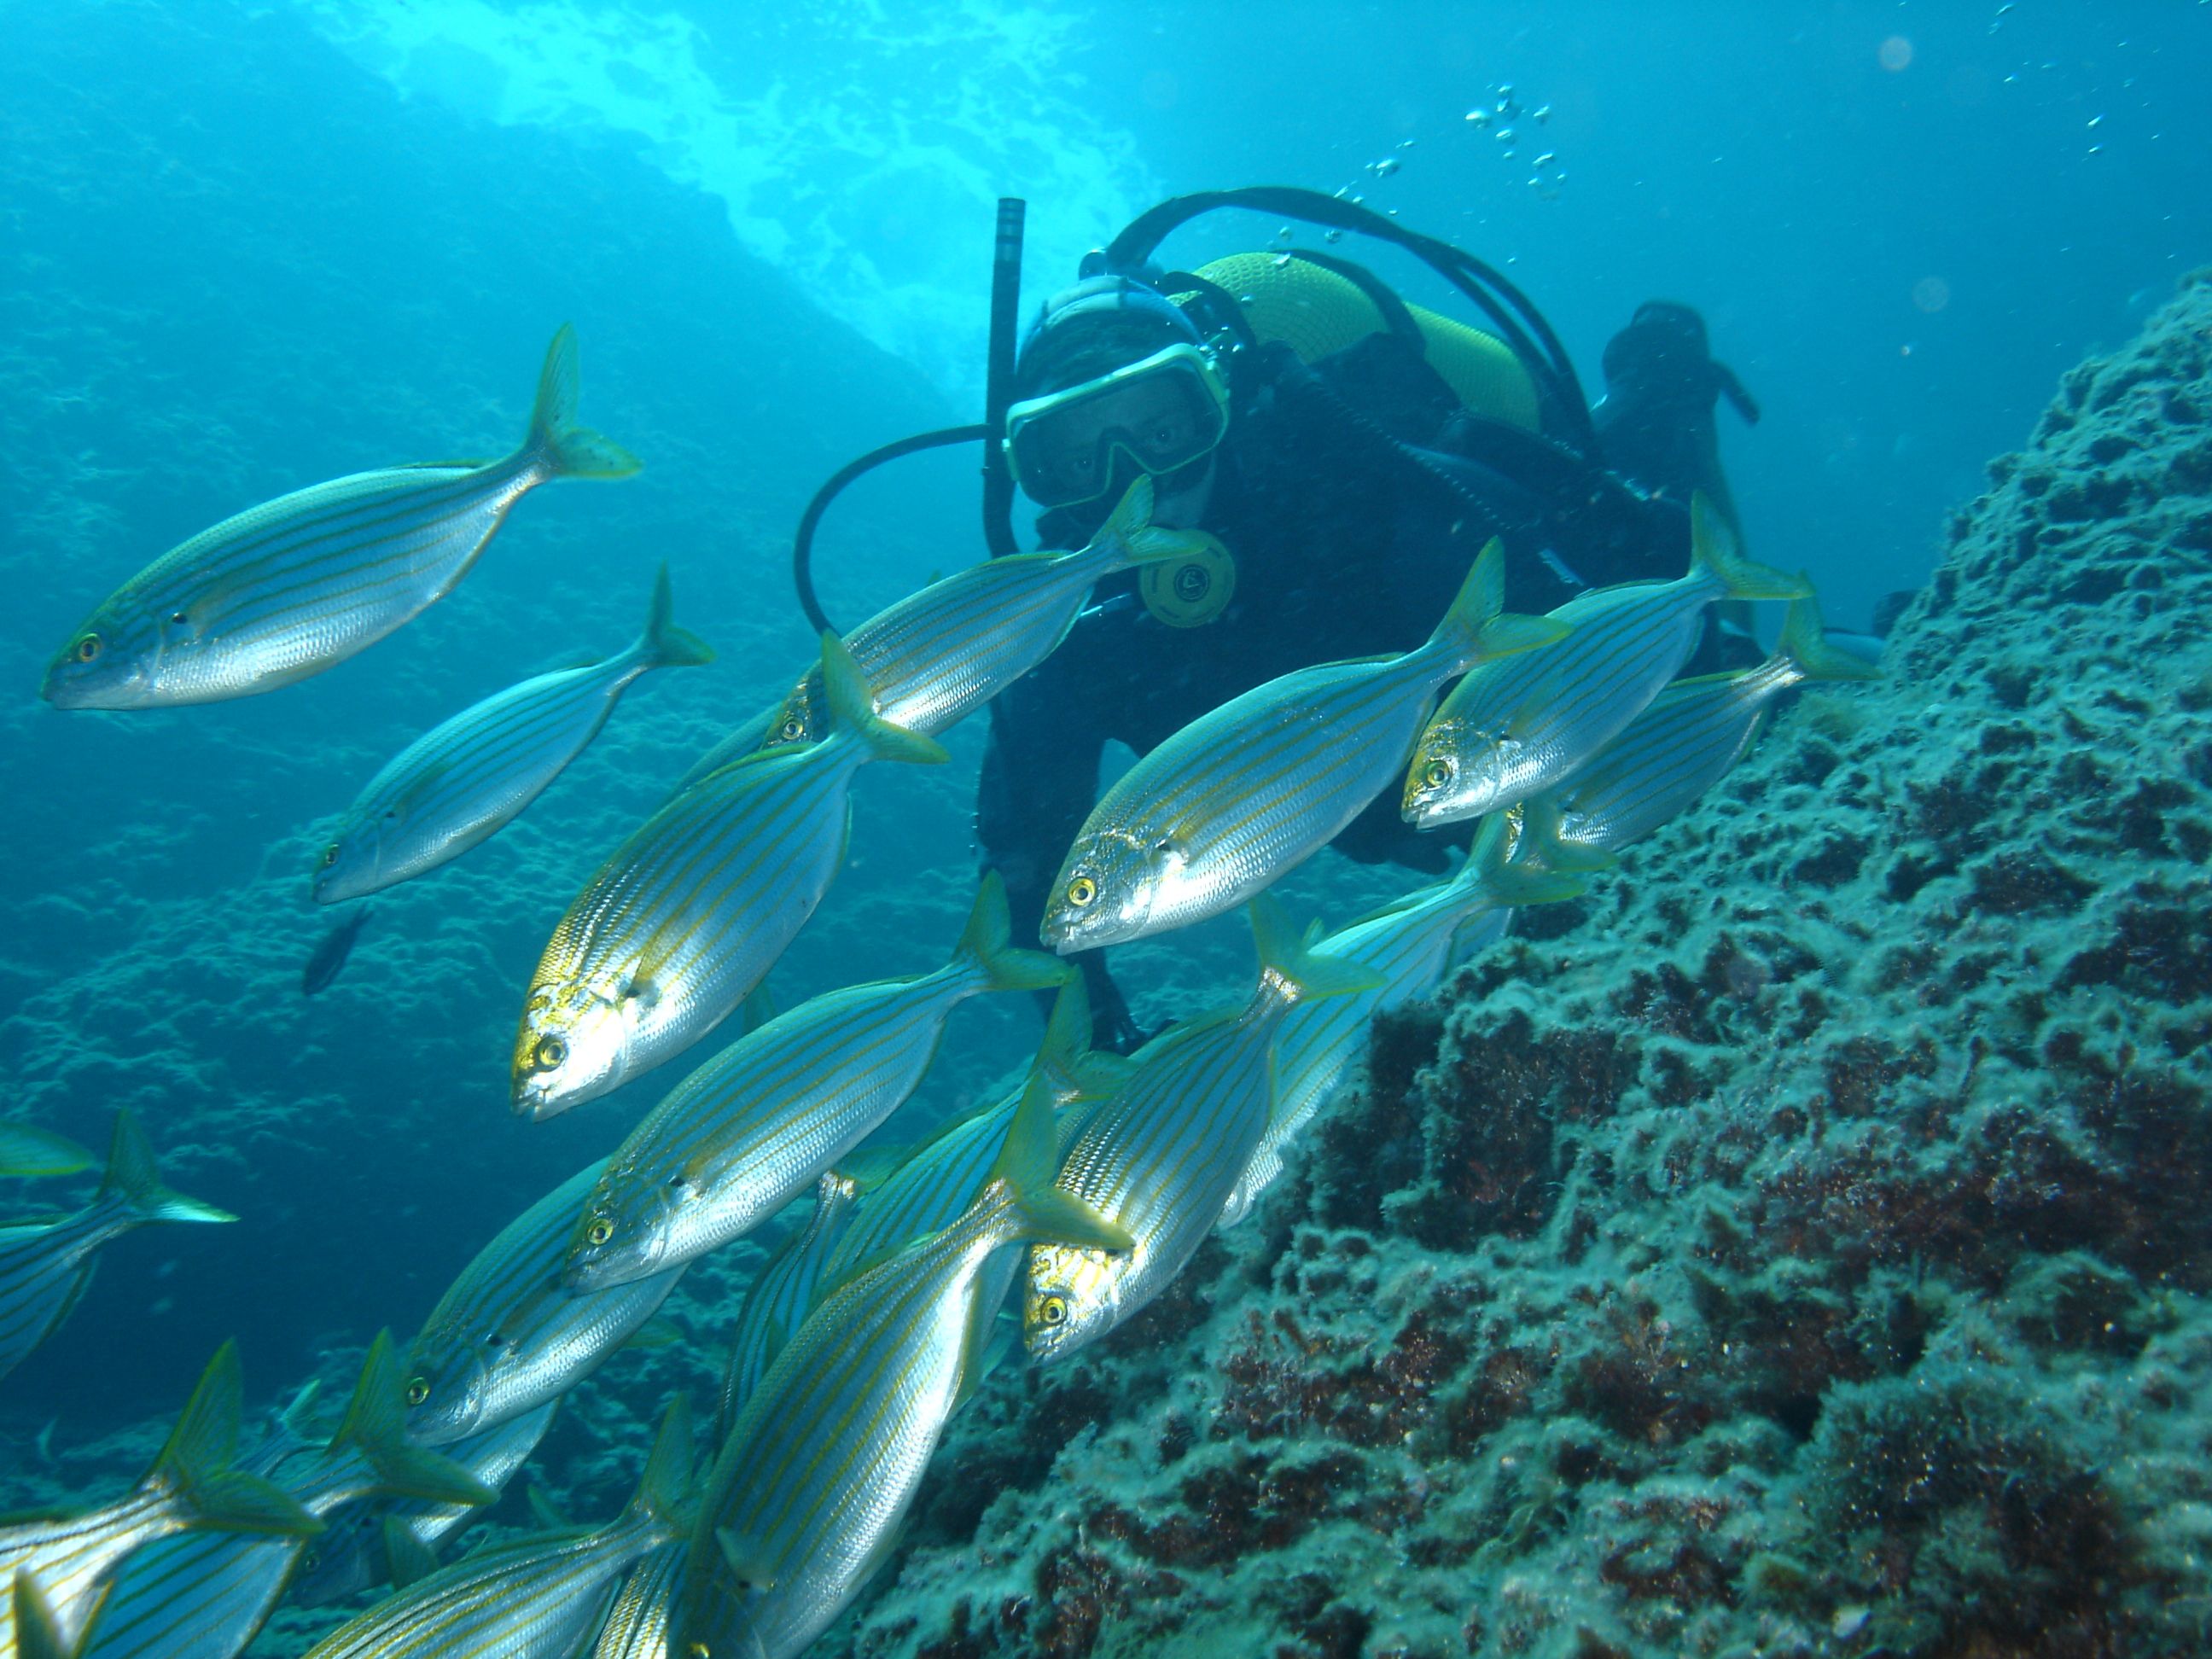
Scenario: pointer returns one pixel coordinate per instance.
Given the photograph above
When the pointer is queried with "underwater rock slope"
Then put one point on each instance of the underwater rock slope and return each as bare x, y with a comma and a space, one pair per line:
1799, 1246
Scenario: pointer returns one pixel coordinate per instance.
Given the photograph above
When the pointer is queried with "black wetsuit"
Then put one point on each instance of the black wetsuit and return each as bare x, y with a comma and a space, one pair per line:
1345, 494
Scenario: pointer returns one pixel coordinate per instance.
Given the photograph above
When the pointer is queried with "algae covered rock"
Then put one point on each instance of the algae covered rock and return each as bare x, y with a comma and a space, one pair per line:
1799, 1246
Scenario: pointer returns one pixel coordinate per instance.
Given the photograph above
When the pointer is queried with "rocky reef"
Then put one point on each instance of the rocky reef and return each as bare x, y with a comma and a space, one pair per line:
1798, 1247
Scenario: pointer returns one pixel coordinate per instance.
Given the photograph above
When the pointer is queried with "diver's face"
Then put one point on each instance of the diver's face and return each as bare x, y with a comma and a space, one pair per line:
1154, 424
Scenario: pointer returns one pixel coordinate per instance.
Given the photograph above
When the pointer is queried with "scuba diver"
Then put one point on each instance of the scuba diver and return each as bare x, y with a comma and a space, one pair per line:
1341, 456
1346, 456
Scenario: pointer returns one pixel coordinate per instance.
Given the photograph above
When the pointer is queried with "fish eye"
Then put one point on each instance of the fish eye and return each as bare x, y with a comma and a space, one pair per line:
1053, 1310
599, 1231
329, 855
88, 648
1081, 891
550, 1054
179, 617
418, 1390
793, 730
1437, 773
309, 1560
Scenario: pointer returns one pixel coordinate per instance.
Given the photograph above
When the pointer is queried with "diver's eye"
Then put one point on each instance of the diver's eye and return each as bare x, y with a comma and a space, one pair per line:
1053, 1310
1437, 773
599, 1231
792, 730
418, 1390
88, 648
329, 855
550, 1054
1081, 891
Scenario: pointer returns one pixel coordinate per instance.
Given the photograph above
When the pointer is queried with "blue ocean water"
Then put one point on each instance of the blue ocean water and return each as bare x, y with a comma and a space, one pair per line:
250, 247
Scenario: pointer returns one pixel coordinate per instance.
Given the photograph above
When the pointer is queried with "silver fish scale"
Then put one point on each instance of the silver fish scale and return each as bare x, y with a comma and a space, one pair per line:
1668, 755
459, 783
44, 1265
751, 1129
1409, 948
824, 1459
285, 589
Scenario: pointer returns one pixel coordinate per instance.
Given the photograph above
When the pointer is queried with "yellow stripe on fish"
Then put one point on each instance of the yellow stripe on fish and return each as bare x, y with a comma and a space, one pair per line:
193, 1484
1252, 789
1407, 945
287, 589
751, 1130
1689, 737
540, 1593
1163, 1156
937, 656
817, 1471
691, 912
1510, 729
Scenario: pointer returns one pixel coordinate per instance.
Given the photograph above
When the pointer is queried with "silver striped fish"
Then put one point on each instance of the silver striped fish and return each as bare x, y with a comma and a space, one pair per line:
777, 1299
1406, 946
817, 1473
45, 1266
463, 781
72, 1557
694, 909
205, 1595
1510, 729
297, 585
637, 1626
507, 1338
939, 654
347, 1555
1689, 737
748, 1132
1255, 787
539, 1596
28, 1152
1161, 1157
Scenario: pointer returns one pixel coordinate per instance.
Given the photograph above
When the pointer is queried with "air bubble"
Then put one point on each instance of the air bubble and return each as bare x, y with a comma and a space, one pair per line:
1385, 167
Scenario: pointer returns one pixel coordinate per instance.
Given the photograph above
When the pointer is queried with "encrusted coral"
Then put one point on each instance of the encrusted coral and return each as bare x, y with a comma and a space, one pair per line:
1798, 1247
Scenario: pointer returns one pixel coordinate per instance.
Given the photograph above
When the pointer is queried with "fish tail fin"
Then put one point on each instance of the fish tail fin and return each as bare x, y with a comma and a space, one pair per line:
375, 1425
134, 1176
1805, 643
987, 943
1713, 549
853, 708
195, 1463
1478, 626
1131, 536
37, 1631
567, 450
663, 644
1301, 974
1556, 873
1028, 1164
1544, 843
26, 1152
663, 1498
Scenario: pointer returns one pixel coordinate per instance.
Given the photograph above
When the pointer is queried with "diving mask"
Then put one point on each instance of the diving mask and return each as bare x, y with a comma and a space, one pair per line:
1161, 413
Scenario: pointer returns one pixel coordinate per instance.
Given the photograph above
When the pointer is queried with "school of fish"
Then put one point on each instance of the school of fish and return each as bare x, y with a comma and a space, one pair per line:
1034, 1224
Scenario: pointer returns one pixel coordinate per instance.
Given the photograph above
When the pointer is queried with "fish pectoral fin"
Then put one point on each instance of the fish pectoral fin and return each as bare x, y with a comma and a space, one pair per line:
747, 1562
